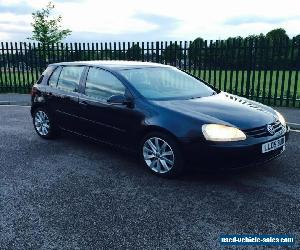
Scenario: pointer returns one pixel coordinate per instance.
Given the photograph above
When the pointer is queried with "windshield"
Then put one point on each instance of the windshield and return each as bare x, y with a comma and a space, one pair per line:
165, 83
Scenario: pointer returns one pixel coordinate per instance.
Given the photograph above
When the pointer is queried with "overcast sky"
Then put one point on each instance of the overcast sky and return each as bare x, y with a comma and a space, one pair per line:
150, 20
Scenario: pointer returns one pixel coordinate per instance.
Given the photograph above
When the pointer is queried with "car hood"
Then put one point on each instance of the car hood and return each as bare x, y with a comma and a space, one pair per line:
223, 108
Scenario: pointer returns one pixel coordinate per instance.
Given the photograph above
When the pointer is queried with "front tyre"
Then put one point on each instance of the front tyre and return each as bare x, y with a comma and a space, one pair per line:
43, 124
161, 154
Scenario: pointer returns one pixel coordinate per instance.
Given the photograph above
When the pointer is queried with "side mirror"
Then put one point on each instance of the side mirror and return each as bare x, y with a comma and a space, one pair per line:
119, 99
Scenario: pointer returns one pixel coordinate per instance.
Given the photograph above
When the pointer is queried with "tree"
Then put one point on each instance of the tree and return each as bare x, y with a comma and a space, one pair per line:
296, 55
279, 41
195, 50
47, 29
297, 39
256, 37
277, 34
172, 53
134, 52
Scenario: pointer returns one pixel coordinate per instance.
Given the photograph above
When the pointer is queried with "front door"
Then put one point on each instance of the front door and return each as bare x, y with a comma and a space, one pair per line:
106, 122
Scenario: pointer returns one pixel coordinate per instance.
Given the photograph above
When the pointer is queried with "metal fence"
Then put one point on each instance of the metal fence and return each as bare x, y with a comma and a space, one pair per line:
259, 69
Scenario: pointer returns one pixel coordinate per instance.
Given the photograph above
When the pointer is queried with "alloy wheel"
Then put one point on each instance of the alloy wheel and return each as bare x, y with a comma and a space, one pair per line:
42, 123
158, 155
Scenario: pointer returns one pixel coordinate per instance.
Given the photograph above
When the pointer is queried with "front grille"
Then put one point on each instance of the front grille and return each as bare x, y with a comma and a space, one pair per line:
262, 131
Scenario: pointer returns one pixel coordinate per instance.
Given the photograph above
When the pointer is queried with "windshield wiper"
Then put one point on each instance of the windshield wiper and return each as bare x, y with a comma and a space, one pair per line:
195, 97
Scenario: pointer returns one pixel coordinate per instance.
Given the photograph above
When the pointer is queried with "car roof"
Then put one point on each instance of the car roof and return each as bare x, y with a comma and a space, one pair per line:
112, 65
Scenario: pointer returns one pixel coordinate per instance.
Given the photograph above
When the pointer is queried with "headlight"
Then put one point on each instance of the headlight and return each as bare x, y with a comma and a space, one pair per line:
217, 132
280, 118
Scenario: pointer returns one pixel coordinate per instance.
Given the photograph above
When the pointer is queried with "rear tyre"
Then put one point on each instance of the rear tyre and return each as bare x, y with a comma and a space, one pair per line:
161, 154
44, 124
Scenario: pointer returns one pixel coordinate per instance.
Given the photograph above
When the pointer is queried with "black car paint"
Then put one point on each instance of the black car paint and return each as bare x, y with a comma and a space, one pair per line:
125, 125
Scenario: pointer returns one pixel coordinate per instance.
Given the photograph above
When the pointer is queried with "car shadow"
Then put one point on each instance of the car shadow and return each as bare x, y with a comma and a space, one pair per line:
130, 162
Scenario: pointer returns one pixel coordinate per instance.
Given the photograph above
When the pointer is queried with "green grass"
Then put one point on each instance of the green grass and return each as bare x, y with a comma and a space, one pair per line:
17, 81
264, 83
18, 77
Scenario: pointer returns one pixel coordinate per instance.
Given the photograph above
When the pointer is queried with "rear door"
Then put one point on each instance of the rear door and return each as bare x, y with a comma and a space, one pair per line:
63, 93
51, 90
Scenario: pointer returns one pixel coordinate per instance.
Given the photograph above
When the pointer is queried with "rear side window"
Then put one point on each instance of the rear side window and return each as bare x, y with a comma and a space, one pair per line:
69, 78
48, 71
102, 84
39, 81
54, 77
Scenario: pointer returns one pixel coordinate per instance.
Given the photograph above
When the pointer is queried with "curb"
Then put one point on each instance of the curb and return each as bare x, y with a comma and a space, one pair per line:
15, 103
293, 125
290, 124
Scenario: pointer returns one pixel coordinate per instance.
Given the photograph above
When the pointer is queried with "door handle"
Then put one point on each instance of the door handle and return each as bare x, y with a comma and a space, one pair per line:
84, 103
67, 98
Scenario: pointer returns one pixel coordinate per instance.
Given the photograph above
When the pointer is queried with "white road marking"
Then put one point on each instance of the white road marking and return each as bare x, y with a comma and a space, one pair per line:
293, 130
14, 105
292, 123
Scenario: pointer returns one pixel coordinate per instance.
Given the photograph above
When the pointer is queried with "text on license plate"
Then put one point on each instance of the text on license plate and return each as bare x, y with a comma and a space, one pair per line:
272, 145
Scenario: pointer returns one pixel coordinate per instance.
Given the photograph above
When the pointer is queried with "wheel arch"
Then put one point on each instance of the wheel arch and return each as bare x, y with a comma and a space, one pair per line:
36, 106
153, 128
177, 149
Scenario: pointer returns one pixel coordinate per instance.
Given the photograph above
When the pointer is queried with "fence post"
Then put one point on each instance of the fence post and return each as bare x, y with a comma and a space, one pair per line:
277, 60
225, 64
3, 70
290, 72
253, 66
8, 66
110, 51
296, 76
22, 68
165, 52
157, 52
18, 66
231, 64
259, 66
143, 52
283, 67
185, 44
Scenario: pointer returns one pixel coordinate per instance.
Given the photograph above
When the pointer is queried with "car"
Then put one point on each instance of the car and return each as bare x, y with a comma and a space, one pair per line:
168, 117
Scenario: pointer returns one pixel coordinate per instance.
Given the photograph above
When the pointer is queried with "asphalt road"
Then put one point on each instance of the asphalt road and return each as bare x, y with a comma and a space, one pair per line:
74, 194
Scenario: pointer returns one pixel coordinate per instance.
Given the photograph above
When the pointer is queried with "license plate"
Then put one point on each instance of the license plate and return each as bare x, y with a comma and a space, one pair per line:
272, 145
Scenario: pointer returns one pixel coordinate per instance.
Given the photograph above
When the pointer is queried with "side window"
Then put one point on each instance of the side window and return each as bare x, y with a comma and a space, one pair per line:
69, 78
39, 81
102, 84
52, 82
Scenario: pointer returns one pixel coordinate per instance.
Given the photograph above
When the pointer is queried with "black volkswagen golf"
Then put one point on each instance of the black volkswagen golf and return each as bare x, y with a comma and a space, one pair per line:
170, 118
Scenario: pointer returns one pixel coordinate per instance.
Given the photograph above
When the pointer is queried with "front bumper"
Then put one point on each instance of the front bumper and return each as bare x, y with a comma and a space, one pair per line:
229, 155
